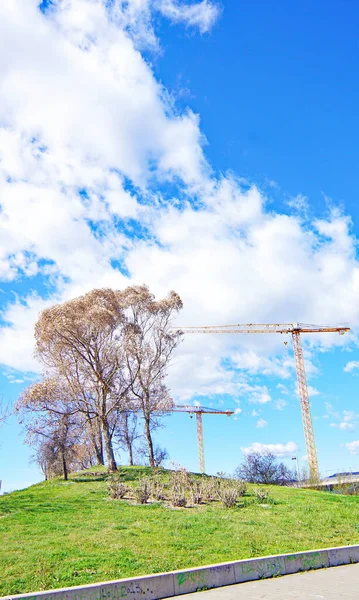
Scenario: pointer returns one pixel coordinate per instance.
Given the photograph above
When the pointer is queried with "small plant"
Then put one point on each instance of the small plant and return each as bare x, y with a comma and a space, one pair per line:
143, 491
229, 496
241, 487
180, 483
211, 489
178, 499
116, 488
261, 495
197, 492
157, 488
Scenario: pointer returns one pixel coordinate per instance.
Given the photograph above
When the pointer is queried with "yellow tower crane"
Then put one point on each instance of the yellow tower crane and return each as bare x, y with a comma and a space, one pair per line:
285, 328
199, 411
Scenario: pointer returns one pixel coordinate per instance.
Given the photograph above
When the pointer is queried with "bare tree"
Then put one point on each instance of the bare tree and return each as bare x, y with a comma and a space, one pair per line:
84, 342
149, 349
46, 458
49, 417
263, 468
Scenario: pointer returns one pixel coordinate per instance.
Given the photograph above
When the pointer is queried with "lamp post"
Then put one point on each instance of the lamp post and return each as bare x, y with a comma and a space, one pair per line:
298, 474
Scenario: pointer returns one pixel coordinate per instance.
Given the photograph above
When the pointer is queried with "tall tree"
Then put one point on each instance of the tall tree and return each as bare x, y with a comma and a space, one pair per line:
49, 417
150, 345
84, 342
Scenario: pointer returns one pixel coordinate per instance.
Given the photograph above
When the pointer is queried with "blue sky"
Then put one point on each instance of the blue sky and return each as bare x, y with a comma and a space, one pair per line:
218, 149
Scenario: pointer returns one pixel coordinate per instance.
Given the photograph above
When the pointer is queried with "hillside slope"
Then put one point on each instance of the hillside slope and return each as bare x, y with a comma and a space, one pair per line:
58, 533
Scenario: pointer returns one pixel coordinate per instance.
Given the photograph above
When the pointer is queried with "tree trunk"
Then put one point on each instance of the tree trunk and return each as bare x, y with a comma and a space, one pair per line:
111, 462
130, 453
64, 465
151, 457
96, 439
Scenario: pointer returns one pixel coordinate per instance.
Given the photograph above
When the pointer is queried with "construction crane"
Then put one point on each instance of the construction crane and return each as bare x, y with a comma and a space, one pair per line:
295, 329
199, 411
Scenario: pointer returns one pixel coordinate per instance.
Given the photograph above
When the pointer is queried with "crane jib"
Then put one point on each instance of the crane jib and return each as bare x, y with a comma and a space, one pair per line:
295, 329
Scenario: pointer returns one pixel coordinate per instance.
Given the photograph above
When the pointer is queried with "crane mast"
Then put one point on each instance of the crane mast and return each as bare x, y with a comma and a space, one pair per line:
199, 411
295, 329
305, 407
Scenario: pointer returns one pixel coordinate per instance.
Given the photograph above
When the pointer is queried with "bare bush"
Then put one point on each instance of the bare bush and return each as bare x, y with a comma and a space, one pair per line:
230, 490
211, 489
196, 491
241, 487
261, 495
229, 496
157, 488
180, 483
116, 488
143, 491
178, 498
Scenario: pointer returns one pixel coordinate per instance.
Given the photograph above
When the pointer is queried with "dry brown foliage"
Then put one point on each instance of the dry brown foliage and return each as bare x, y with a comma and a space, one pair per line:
110, 350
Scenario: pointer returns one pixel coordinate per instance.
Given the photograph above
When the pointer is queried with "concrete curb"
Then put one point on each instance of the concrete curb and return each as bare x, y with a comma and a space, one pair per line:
175, 583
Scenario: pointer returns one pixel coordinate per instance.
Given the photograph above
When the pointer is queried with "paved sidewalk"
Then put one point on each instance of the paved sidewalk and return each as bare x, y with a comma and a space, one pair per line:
324, 584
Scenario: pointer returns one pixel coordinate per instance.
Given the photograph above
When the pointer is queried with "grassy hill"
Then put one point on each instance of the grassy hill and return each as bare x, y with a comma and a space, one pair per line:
59, 533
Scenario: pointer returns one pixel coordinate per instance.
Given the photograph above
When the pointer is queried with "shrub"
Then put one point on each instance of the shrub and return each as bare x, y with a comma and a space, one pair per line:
211, 489
157, 488
197, 492
241, 487
261, 495
229, 496
143, 491
116, 488
178, 499
180, 483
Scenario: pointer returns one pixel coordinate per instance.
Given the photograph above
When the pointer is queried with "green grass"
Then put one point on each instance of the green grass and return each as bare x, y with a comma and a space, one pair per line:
58, 533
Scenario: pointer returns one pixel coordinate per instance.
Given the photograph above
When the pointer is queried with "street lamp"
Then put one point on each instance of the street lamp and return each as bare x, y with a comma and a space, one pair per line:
298, 474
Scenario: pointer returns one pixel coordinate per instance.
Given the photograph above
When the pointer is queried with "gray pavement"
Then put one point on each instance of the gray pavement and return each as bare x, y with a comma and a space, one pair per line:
323, 584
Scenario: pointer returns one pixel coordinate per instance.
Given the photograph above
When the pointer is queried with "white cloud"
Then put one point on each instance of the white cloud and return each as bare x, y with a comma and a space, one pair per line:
201, 14
349, 415
254, 363
80, 109
258, 395
279, 404
261, 423
254, 413
353, 447
283, 388
237, 411
347, 421
280, 450
345, 426
351, 366
312, 391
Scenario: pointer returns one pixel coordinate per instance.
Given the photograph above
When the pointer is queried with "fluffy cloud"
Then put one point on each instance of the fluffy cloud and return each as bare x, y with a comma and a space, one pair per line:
346, 422
353, 447
280, 450
351, 366
261, 423
345, 426
202, 14
88, 140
